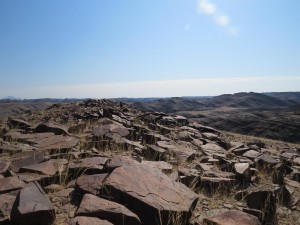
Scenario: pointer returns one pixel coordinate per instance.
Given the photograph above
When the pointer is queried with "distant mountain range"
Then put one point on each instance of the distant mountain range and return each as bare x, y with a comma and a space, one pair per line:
274, 115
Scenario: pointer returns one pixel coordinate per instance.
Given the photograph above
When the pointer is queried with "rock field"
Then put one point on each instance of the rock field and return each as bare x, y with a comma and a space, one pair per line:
107, 163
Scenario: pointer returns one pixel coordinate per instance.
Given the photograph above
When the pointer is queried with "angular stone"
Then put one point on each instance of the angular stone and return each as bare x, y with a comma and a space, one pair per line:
232, 218
4, 166
18, 124
297, 161
50, 127
58, 143
106, 130
153, 152
28, 158
150, 194
14, 148
106, 210
84, 220
211, 148
184, 154
10, 184
33, 206
6, 203
243, 171
50, 167
264, 201
90, 183
217, 184
118, 161
252, 154
92, 165
161, 165
266, 161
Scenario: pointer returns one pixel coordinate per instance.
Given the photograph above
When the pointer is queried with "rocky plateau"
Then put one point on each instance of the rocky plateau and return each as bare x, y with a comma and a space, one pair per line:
107, 163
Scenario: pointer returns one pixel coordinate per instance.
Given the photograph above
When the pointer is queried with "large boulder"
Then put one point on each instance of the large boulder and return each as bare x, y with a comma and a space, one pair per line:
32, 206
115, 213
150, 194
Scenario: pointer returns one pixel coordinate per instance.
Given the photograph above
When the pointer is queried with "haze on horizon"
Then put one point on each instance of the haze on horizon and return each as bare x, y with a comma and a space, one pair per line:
109, 49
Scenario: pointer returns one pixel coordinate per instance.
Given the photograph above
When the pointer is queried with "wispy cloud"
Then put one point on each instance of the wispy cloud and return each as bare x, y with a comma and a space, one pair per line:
161, 88
211, 9
222, 20
207, 7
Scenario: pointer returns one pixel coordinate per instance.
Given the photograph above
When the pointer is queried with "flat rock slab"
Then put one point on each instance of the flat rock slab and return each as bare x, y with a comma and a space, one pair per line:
115, 213
252, 154
18, 123
150, 194
109, 129
118, 161
33, 206
90, 183
10, 184
6, 203
232, 218
84, 220
50, 167
88, 165
28, 158
14, 148
161, 165
45, 141
57, 142
57, 129
211, 148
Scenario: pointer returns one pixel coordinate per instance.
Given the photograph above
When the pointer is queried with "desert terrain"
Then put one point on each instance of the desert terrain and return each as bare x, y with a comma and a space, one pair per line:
107, 162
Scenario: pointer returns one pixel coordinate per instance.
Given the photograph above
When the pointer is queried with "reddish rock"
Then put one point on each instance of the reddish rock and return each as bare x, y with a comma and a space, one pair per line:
6, 203
252, 154
161, 165
153, 152
58, 143
50, 167
28, 158
119, 160
4, 166
57, 129
10, 184
84, 220
297, 161
217, 184
92, 165
211, 148
90, 183
33, 206
264, 201
14, 148
243, 171
18, 124
150, 194
232, 218
106, 210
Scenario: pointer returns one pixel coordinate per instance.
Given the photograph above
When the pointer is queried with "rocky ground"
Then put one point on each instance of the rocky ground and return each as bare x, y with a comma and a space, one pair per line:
103, 162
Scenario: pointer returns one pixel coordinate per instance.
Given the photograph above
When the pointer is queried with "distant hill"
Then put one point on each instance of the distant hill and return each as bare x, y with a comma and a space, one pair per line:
247, 100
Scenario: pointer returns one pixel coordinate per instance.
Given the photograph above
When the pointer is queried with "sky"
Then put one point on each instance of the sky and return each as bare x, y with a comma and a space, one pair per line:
147, 48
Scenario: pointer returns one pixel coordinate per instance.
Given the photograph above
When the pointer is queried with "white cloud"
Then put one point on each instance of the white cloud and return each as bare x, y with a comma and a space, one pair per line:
161, 88
222, 20
206, 7
211, 9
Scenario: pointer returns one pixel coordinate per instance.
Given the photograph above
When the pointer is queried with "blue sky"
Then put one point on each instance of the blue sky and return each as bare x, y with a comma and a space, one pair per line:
134, 48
